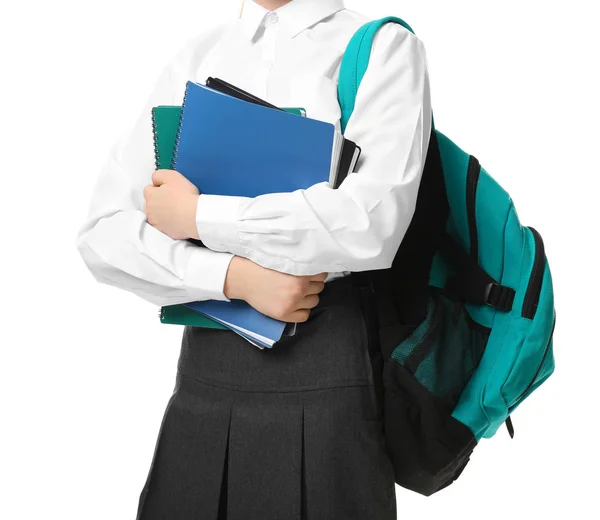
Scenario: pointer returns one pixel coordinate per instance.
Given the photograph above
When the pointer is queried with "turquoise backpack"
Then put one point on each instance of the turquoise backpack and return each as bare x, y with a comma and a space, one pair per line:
465, 314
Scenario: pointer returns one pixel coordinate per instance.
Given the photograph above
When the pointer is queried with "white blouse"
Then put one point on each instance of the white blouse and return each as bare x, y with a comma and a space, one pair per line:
291, 58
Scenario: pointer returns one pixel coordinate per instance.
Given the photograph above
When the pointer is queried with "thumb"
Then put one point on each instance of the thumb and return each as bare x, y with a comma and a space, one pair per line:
159, 177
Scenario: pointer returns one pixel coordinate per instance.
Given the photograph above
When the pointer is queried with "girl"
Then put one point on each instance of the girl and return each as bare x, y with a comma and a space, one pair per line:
293, 432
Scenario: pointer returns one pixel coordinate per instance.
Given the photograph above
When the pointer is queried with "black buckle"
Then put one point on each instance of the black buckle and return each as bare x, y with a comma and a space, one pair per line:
499, 296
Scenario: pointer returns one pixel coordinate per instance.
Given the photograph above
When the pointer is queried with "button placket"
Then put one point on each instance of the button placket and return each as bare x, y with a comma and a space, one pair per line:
268, 51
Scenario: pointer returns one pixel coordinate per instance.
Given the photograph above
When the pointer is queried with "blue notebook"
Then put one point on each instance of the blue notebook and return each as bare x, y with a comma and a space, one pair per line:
226, 146
242, 318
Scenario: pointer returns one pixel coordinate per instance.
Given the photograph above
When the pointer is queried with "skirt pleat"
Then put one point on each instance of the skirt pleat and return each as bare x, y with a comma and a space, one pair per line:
294, 433
189, 458
265, 457
348, 473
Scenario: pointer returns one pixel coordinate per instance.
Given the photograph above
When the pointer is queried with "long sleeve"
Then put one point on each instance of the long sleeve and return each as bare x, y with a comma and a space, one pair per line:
116, 242
360, 225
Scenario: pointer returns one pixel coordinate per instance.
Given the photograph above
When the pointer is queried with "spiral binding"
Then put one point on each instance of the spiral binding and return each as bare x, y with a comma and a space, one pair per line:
155, 134
176, 149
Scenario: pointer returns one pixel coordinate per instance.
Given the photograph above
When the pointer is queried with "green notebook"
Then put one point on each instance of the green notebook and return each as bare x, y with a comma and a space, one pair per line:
165, 123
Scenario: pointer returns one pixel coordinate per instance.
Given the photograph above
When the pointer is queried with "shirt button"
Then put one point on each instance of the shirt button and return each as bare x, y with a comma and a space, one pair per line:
271, 18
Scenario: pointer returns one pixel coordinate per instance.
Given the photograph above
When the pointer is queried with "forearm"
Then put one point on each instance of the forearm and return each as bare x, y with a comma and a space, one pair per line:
121, 248
314, 230
124, 251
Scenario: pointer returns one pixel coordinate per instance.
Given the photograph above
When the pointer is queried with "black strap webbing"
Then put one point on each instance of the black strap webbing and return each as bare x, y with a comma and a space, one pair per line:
470, 282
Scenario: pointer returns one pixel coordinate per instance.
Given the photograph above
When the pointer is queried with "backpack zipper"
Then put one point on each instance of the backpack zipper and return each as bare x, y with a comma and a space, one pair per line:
534, 287
473, 173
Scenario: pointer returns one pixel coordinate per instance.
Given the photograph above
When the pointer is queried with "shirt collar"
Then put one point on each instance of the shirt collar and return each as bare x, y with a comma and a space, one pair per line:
296, 15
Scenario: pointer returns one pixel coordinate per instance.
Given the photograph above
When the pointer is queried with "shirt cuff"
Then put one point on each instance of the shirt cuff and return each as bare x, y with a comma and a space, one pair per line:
217, 221
205, 274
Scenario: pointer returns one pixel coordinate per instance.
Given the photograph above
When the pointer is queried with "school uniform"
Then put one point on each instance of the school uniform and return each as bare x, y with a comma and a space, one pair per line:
292, 432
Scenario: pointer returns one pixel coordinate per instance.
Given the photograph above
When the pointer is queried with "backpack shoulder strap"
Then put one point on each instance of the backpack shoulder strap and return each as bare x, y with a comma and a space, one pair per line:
408, 279
355, 62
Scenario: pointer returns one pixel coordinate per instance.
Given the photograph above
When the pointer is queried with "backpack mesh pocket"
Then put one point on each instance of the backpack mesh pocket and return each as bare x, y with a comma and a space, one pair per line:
445, 349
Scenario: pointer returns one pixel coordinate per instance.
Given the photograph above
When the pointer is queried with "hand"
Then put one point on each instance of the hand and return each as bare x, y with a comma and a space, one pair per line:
170, 205
281, 296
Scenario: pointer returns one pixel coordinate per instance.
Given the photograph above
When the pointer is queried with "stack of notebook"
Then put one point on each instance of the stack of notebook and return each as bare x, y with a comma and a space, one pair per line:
228, 142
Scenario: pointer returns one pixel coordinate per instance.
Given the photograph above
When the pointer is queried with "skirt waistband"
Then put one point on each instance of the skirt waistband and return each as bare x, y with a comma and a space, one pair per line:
329, 350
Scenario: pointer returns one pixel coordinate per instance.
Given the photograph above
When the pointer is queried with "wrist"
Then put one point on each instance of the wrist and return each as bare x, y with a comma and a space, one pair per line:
236, 279
192, 224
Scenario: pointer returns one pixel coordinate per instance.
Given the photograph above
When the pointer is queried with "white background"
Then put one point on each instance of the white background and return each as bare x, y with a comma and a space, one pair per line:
87, 370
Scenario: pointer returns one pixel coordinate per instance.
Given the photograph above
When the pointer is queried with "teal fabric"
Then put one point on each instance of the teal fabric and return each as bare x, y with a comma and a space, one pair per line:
519, 351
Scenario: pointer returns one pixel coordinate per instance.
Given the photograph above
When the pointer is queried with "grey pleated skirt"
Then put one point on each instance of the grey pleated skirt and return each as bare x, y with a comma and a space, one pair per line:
294, 432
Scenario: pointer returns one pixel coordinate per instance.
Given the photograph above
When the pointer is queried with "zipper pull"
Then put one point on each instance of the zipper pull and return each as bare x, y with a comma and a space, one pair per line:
510, 427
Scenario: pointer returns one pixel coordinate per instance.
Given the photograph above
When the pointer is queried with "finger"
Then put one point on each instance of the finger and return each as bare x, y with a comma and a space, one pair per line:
147, 190
309, 302
318, 277
315, 287
159, 177
298, 316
